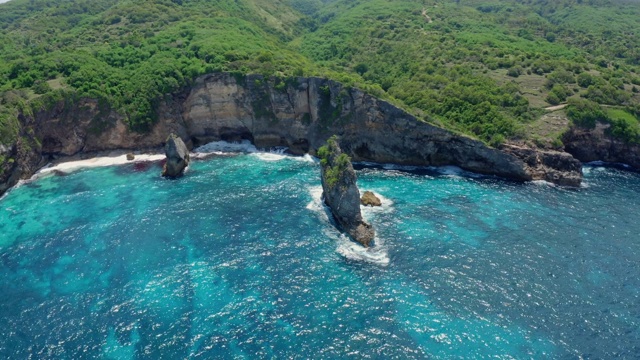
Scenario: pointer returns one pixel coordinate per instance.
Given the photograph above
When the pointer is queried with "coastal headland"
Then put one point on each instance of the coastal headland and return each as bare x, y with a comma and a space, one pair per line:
298, 113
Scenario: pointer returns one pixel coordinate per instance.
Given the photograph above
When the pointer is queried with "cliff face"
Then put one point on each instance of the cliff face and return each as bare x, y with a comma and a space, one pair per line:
299, 113
304, 112
341, 193
83, 126
87, 126
595, 145
21, 160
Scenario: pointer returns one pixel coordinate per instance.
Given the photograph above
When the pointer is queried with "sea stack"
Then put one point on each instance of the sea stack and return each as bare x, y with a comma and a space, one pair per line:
177, 157
341, 193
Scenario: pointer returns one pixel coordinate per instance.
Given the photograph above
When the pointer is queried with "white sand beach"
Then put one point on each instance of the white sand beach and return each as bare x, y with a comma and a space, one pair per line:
68, 166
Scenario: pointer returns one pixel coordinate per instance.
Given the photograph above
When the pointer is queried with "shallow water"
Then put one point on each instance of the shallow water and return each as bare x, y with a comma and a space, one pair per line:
238, 259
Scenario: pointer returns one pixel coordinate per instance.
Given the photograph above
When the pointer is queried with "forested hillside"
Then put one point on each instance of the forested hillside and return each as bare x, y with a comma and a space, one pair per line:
484, 68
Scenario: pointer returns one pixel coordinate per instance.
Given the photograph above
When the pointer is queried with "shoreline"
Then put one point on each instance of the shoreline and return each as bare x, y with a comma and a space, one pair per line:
118, 157
68, 164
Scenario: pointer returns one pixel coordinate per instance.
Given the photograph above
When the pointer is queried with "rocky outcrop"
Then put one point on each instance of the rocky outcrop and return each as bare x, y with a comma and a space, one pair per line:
20, 161
553, 166
341, 193
596, 145
299, 113
370, 199
177, 157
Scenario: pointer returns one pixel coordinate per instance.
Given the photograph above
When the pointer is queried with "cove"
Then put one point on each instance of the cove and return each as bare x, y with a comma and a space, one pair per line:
239, 259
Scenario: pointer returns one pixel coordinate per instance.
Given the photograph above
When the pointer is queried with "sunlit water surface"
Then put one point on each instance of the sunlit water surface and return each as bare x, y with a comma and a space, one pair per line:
238, 259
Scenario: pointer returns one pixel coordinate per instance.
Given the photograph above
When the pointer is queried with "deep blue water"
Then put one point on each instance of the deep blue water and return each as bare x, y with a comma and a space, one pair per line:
238, 259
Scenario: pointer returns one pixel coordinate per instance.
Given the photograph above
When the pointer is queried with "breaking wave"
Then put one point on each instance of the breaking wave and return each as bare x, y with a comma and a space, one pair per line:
346, 247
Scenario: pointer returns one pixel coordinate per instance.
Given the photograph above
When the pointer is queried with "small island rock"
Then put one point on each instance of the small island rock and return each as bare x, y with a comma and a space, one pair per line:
130, 156
177, 157
370, 199
341, 193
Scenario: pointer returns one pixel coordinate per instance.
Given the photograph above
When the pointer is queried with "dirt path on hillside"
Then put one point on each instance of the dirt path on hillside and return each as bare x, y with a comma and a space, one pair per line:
426, 17
557, 107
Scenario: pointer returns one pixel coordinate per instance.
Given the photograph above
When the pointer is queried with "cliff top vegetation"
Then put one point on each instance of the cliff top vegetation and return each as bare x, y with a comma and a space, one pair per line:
333, 161
485, 68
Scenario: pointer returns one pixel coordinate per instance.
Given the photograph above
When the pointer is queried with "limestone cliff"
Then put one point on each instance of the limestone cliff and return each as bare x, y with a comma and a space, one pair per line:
596, 145
341, 194
300, 113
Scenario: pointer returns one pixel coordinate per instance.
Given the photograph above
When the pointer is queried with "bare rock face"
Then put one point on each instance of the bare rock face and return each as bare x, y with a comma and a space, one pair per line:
298, 113
19, 161
302, 113
370, 199
596, 145
177, 157
341, 193
552, 166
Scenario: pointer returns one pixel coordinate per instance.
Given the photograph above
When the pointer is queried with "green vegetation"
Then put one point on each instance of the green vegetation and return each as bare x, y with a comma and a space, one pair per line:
484, 68
624, 124
131, 53
585, 113
333, 164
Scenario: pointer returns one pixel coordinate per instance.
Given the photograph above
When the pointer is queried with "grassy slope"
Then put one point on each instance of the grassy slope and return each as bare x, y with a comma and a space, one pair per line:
486, 68
131, 52
453, 65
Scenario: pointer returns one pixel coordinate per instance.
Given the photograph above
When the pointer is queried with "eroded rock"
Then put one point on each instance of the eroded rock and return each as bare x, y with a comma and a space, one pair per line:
177, 157
370, 199
341, 193
552, 166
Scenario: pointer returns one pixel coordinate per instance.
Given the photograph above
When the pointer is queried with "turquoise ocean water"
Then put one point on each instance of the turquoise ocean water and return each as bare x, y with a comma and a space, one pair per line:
238, 259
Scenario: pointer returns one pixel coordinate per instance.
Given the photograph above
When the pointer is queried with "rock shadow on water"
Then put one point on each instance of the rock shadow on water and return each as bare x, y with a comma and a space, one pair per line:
138, 167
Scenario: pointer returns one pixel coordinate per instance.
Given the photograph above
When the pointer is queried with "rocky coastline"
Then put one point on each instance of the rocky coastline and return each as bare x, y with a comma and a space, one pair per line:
298, 113
588, 145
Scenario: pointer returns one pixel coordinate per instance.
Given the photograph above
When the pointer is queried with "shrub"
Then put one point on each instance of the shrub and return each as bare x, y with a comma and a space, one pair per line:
585, 80
558, 94
553, 99
41, 87
361, 68
585, 113
624, 125
559, 77
514, 71
333, 165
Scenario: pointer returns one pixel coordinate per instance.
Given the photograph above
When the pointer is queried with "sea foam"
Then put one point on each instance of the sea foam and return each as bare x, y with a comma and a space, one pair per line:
220, 147
246, 147
346, 247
